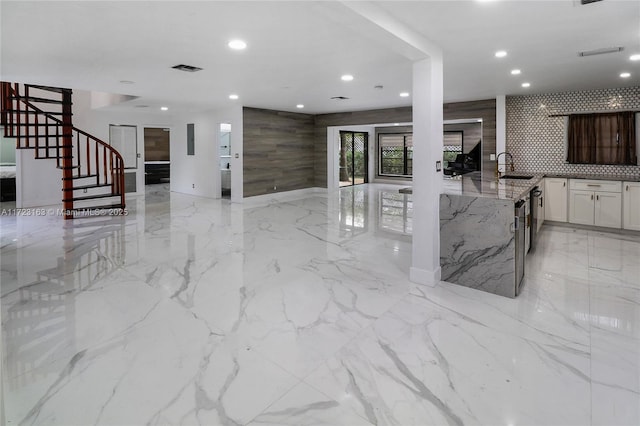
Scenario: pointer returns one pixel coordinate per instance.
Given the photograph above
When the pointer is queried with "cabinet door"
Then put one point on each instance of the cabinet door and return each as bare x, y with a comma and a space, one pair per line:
631, 203
555, 203
581, 207
608, 209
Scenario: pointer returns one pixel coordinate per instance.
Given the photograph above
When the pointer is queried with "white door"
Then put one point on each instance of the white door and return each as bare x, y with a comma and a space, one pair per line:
631, 202
608, 209
581, 207
556, 199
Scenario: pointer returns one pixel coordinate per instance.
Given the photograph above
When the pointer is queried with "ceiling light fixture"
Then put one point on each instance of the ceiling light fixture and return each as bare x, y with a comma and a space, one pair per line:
635, 57
300, 106
233, 96
164, 108
515, 72
404, 94
347, 77
237, 45
501, 53
625, 75
526, 84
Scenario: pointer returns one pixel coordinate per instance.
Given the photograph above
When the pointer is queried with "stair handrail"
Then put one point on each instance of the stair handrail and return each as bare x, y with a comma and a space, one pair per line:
114, 152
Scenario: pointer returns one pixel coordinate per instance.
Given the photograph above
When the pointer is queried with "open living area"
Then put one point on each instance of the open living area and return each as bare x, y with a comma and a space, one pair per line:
320, 213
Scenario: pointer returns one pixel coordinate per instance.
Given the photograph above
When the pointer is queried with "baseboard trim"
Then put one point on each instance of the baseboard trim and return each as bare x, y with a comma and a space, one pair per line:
425, 277
276, 197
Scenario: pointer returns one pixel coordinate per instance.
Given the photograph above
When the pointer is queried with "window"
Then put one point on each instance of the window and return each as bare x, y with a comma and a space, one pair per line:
396, 154
605, 138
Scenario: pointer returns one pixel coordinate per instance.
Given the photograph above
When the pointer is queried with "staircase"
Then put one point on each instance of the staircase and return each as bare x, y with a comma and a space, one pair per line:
92, 171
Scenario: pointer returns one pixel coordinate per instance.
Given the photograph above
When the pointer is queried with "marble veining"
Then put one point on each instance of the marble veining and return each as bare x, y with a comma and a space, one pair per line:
192, 311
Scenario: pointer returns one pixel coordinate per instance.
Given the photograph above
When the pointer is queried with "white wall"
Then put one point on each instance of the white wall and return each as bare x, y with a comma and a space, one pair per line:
97, 121
38, 182
199, 174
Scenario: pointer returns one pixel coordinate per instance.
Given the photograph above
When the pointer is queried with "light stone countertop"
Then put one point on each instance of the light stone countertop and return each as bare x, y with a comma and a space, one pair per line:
486, 185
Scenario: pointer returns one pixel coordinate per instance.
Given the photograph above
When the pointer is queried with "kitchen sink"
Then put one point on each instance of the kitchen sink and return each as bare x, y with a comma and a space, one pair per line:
516, 177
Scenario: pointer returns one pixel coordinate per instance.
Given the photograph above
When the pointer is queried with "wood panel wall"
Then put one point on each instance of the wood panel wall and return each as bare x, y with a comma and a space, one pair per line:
485, 109
322, 121
289, 150
278, 151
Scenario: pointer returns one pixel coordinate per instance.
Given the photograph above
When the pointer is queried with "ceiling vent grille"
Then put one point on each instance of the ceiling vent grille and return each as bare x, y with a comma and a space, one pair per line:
340, 98
601, 51
186, 68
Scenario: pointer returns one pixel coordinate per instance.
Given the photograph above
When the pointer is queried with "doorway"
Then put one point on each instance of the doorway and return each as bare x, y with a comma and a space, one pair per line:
225, 159
353, 158
157, 166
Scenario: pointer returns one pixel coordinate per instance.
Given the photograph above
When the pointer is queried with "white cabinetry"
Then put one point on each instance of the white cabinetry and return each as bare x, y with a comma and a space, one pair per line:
595, 202
631, 203
555, 203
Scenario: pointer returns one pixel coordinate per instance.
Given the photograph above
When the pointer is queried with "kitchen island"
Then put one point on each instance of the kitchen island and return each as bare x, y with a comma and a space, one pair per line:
479, 244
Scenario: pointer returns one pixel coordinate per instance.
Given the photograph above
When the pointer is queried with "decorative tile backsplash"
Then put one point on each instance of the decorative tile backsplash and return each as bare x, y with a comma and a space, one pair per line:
537, 140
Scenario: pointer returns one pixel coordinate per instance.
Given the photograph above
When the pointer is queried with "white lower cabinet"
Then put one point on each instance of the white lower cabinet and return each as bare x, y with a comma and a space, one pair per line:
631, 205
555, 203
593, 202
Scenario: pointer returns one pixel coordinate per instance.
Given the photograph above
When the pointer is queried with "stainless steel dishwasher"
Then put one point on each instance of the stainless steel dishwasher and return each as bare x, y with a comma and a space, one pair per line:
520, 228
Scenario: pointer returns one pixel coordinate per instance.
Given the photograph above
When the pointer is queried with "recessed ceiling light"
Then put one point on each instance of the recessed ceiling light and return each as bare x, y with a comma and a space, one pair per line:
233, 96
164, 108
625, 75
515, 72
635, 57
404, 94
346, 77
237, 45
526, 84
501, 53
300, 106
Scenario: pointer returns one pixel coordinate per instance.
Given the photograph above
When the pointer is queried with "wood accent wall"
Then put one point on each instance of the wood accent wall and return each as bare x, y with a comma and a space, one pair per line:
278, 151
156, 144
485, 109
322, 121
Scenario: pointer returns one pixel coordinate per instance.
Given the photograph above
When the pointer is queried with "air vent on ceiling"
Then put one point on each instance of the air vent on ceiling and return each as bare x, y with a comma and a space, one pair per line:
340, 98
601, 51
588, 1
187, 68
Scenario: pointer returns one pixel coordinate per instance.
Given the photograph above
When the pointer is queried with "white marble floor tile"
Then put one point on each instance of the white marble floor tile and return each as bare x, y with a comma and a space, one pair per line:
198, 311
304, 405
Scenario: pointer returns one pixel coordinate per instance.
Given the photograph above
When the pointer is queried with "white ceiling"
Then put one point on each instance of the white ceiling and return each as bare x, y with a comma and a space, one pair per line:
297, 50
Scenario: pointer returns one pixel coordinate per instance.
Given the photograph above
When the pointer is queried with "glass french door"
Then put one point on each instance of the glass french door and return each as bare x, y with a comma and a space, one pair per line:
353, 158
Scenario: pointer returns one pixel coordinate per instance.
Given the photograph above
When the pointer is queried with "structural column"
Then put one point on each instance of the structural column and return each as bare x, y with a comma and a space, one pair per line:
427, 180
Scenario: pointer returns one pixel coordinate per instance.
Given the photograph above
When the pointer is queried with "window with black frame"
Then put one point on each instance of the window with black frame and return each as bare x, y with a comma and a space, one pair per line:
396, 154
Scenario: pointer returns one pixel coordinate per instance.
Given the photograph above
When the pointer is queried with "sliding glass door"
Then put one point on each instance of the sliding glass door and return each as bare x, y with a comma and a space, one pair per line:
353, 158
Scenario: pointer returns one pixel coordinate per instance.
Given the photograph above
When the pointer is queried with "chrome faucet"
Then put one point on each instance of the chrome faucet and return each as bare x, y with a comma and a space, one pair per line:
498, 164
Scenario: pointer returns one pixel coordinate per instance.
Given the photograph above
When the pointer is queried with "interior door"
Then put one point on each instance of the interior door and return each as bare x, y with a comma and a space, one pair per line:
353, 158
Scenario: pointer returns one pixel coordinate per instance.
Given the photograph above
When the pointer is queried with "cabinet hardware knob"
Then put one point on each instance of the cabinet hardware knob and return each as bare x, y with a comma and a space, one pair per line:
597, 197
592, 196
627, 187
564, 183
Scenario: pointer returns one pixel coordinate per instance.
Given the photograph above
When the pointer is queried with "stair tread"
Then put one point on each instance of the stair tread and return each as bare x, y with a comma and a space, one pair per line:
37, 99
29, 111
91, 197
81, 177
48, 88
106, 206
100, 185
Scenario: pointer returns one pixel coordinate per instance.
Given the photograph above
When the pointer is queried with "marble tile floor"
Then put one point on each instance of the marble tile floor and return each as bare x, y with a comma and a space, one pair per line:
191, 311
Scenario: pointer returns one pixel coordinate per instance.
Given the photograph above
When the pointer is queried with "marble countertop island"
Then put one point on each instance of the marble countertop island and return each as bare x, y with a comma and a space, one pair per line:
477, 237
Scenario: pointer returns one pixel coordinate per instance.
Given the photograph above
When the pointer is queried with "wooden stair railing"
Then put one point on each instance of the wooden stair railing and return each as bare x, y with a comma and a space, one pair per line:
88, 164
